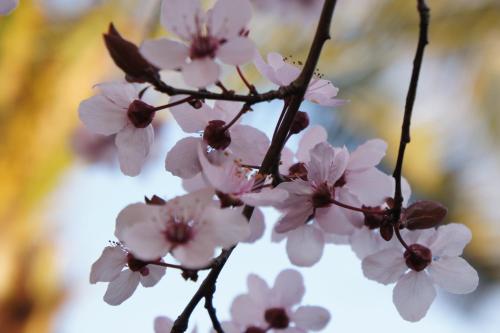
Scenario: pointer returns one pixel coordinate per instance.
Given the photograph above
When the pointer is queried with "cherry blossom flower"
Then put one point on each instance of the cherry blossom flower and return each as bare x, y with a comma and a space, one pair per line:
124, 272
434, 259
164, 325
219, 34
319, 91
246, 143
119, 110
331, 174
8, 6
265, 309
190, 227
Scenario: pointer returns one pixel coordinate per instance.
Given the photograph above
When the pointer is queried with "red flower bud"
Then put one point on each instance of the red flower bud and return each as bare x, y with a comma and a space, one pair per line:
216, 135
300, 122
424, 214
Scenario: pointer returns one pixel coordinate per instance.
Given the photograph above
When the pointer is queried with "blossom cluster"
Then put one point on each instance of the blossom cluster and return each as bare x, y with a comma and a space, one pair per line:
324, 194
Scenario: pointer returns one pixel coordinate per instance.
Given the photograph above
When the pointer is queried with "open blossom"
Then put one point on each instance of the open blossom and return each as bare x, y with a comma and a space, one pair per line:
124, 273
319, 91
218, 34
264, 309
164, 325
7, 6
246, 143
434, 259
331, 174
190, 227
119, 110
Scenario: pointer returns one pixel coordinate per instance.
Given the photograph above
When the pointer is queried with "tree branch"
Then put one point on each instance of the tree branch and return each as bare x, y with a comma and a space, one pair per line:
423, 11
296, 90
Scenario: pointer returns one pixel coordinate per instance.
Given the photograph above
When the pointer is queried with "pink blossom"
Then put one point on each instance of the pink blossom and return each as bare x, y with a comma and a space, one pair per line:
218, 34
190, 227
7, 6
118, 110
164, 325
434, 259
331, 174
123, 272
319, 91
244, 142
265, 309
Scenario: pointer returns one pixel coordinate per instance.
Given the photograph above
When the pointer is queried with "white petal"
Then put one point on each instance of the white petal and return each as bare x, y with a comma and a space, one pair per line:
109, 265
294, 218
154, 276
195, 183
180, 17
248, 144
265, 69
165, 53
327, 163
200, 73
305, 245
266, 197
287, 160
122, 287
133, 146
228, 17
454, 274
196, 253
102, 116
313, 318
163, 325
334, 219
258, 290
120, 93
385, 266
310, 138
229, 327
182, 159
368, 155
191, 120
237, 51
257, 226
413, 295
229, 225
133, 214
288, 288
246, 312
323, 92
371, 186
146, 241
451, 240
365, 242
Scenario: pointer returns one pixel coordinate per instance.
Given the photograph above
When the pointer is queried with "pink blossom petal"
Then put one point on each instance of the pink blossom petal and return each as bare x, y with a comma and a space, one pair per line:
310, 138
182, 160
229, 17
146, 241
406, 191
225, 110
288, 288
264, 69
191, 120
165, 53
365, 242
230, 327
229, 225
305, 245
121, 288
385, 266
133, 214
451, 240
102, 116
258, 290
163, 325
322, 92
201, 73
257, 226
236, 51
294, 218
368, 155
119, 93
197, 253
287, 73
248, 144
327, 164
181, 17
7, 6
246, 312
266, 197
314, 318
333, 220
286, 160
454, 275
413, 295
195, 183
133, 146
371, 186
155, 273
109, 265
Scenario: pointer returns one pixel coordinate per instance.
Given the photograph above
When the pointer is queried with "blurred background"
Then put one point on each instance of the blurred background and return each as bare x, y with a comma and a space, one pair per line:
61, 189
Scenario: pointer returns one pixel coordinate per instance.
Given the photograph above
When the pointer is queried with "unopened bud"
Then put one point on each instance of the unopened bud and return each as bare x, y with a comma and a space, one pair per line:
424, 214
216, 135
300, 122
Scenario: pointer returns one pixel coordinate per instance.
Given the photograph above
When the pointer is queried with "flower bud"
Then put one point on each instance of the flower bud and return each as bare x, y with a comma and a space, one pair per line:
386, 231
216, 135
418, 257
140, 114
424, 214
300, 122
127, 57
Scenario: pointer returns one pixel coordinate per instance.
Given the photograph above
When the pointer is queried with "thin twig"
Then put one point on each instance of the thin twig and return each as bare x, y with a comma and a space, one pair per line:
410, 99
212, 313
250, 86
297, 91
